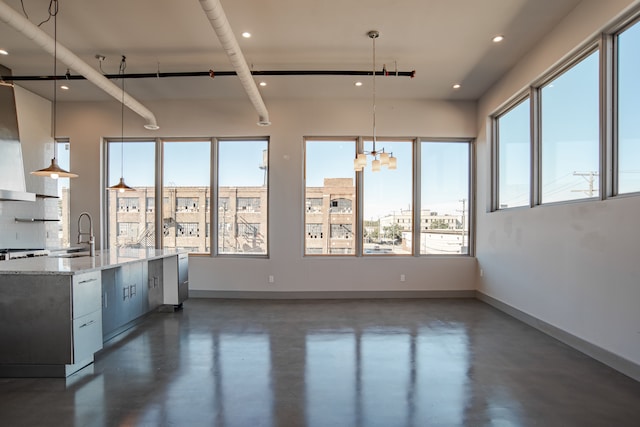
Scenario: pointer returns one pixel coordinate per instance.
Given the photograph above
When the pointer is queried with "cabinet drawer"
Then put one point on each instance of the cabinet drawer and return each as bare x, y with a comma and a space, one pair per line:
87, 293
87, 335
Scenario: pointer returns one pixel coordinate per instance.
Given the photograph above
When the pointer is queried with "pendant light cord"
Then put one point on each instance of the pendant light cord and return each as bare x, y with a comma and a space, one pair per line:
53, 11
123, 66
374, 37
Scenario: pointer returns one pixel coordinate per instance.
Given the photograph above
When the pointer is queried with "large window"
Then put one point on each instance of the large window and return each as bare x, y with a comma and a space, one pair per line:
628, 96
131, 222
337, 220
242, 197
185, 203
186, 178
329, 197
388, 201
514, 156
570, 133
444, 216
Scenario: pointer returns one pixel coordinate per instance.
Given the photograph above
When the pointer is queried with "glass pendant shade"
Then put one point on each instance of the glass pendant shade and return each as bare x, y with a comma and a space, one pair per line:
54, 171
384, 159
393, 163
375, 166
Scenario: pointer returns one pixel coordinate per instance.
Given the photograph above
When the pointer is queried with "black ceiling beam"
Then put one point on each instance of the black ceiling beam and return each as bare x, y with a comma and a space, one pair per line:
213, 74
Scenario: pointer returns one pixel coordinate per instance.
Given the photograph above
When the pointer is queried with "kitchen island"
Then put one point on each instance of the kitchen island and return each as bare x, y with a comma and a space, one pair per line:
56, 311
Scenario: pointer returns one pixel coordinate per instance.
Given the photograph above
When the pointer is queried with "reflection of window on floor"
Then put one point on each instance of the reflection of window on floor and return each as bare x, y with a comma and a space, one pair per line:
248, 230
314, 231
187, 229
186, 204
314, 205
248, 204
340, 206
127, 204
341, 231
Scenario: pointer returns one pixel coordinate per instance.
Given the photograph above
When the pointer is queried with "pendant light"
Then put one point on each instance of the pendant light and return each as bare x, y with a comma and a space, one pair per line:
379, 157
121, 186
54, 170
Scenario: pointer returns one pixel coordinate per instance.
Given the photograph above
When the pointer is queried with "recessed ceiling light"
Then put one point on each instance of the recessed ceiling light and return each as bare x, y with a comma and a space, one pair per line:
246, 34
64, 87
456, 86
358, 84
3, 52
263, 84
498, 38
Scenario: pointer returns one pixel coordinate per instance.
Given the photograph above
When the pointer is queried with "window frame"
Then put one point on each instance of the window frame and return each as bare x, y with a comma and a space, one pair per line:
211, 213
359, 223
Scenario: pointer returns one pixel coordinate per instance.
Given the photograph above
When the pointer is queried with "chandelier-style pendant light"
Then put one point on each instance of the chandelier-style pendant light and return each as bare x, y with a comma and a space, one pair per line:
54, 170
379, 157
121, 186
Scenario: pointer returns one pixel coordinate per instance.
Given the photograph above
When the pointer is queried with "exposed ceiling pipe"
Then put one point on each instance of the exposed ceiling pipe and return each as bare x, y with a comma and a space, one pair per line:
221, 26
42, 39
211, 73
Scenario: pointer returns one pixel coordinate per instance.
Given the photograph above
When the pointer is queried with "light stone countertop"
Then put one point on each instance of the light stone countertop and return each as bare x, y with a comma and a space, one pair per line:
63, 265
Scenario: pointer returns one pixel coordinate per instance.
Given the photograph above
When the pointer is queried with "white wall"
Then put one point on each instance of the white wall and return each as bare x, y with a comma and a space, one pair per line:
574, 266
34, 126
86, 123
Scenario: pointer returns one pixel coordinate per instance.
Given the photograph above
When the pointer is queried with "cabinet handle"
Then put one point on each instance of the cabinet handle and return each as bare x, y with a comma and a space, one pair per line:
125, 293
86, 281
105, 300
132, 290
87, 324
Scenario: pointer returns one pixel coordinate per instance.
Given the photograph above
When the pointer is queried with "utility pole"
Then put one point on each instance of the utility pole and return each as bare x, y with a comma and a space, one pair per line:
464, 205
590, 177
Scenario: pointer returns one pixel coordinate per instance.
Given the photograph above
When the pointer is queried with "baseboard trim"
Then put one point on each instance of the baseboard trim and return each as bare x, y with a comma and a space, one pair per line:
612, 360
330, 294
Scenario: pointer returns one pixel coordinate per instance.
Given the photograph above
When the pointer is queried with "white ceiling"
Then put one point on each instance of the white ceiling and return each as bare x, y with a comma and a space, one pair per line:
444, 41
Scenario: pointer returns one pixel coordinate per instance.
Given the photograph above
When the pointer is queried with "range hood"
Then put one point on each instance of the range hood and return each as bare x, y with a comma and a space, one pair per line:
12, 181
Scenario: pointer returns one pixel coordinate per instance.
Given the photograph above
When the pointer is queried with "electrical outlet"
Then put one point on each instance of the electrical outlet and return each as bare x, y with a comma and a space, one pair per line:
402, 278
271, 279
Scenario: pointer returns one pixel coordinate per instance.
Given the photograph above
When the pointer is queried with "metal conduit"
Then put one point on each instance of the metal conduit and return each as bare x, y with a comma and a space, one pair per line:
212, 74
221, 26
42, 39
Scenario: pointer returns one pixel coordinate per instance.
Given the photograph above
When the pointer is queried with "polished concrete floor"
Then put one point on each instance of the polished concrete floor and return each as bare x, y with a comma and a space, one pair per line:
329, 363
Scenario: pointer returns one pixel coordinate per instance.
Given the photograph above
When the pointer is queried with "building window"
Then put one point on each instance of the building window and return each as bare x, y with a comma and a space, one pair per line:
242, 197
314, 231
570, 133
341, 231
128, 204
186, 204
248, 204
314, 205
151, 204
187, 229
444, 199
514, 156
628, 93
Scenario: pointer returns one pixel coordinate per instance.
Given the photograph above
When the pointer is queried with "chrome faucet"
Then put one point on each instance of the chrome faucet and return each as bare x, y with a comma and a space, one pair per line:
91, 241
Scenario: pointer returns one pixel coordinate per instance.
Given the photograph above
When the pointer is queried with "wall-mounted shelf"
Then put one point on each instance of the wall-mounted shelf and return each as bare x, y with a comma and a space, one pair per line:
35, 220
